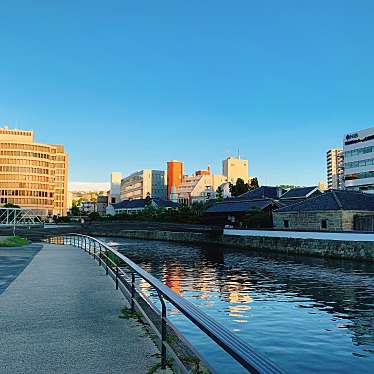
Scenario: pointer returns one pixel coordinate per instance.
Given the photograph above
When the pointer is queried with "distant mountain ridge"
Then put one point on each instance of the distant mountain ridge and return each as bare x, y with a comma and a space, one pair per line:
88, 186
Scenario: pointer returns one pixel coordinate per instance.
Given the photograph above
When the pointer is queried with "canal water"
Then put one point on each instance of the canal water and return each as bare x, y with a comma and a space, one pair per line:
308, 315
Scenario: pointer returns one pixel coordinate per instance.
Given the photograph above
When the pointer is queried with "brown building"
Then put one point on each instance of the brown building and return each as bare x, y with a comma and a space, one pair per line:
32, 175
336, 210
175, 176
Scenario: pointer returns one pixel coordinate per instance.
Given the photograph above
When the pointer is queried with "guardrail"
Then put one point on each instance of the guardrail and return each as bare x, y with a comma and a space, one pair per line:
114, 262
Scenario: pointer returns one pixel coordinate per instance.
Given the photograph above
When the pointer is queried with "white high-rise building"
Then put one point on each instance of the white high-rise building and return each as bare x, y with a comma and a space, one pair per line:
138, 185
115, 187
335, 169
359, 160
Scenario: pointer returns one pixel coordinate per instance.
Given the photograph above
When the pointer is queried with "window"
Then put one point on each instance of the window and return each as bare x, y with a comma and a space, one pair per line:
286, 223
324, 224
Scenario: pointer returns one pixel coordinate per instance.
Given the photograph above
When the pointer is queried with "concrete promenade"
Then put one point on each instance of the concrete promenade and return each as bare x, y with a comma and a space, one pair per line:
61, 315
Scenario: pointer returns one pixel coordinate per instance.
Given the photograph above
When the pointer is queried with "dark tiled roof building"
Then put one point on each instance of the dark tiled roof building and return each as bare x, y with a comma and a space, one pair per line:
333, 211
262, 193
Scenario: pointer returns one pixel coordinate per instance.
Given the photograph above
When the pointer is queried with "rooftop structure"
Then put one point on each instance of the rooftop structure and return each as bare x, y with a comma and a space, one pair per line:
234, 206
299, 194
262, 192
334, 200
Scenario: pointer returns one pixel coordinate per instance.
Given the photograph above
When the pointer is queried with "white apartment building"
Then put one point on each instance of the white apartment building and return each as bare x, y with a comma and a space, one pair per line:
143, 182
199, 188
335, 169
359, 160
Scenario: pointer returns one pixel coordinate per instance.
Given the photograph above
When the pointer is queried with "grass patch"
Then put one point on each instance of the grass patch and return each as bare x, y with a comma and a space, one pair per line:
14, 241
127, 314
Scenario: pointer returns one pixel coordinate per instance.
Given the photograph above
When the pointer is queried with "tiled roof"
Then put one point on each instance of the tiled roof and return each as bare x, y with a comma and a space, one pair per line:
299, 192
232, 206
165, 203
334, 200
261, 193
286, 202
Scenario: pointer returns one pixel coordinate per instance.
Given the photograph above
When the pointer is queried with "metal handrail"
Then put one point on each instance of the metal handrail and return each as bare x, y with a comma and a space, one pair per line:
232, 344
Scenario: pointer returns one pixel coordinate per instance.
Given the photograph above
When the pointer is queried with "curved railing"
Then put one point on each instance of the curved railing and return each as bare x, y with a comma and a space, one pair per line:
113, 262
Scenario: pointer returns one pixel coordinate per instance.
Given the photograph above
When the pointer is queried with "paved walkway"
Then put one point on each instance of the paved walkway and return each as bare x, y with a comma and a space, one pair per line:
61, 315
13, 261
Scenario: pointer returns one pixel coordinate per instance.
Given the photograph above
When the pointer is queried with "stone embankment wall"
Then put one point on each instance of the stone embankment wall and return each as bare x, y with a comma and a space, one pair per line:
353, 250
345, 249
173, 236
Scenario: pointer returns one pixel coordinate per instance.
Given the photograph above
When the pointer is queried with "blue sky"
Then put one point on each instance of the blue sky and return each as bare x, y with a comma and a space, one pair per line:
127, 85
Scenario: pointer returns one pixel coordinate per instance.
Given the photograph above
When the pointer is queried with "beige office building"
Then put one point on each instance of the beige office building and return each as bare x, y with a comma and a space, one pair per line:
32, 175
235, 168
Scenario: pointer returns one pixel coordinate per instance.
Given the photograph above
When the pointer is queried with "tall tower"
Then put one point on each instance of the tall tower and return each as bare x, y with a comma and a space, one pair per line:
175, 175
335, 169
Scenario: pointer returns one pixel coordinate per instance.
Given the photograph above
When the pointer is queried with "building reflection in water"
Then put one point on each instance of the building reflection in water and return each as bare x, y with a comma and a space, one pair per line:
240, 285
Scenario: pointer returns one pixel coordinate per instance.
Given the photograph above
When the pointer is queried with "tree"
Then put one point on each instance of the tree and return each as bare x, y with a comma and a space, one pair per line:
10, 205
75, 211
287, 186
148, 200
219, 194
254, 183
239, 188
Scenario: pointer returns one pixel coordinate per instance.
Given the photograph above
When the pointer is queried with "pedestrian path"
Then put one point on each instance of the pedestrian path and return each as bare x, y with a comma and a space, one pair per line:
61, 315
13, 261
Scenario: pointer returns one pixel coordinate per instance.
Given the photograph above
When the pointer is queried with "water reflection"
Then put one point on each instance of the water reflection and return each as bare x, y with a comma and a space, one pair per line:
309, 315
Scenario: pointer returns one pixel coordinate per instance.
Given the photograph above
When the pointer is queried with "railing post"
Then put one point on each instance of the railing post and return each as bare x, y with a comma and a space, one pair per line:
132, 292
94, 248
89, 247
106, 262
163, 332
100, 254
116, 277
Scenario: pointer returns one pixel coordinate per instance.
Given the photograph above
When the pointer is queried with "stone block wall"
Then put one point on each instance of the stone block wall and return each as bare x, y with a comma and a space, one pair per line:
337, 220
311, 221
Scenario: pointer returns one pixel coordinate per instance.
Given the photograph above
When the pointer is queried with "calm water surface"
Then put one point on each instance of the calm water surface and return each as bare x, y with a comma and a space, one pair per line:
308, 315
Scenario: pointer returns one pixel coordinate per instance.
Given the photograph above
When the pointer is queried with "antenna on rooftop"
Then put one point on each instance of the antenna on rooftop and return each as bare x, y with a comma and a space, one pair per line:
238, 153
